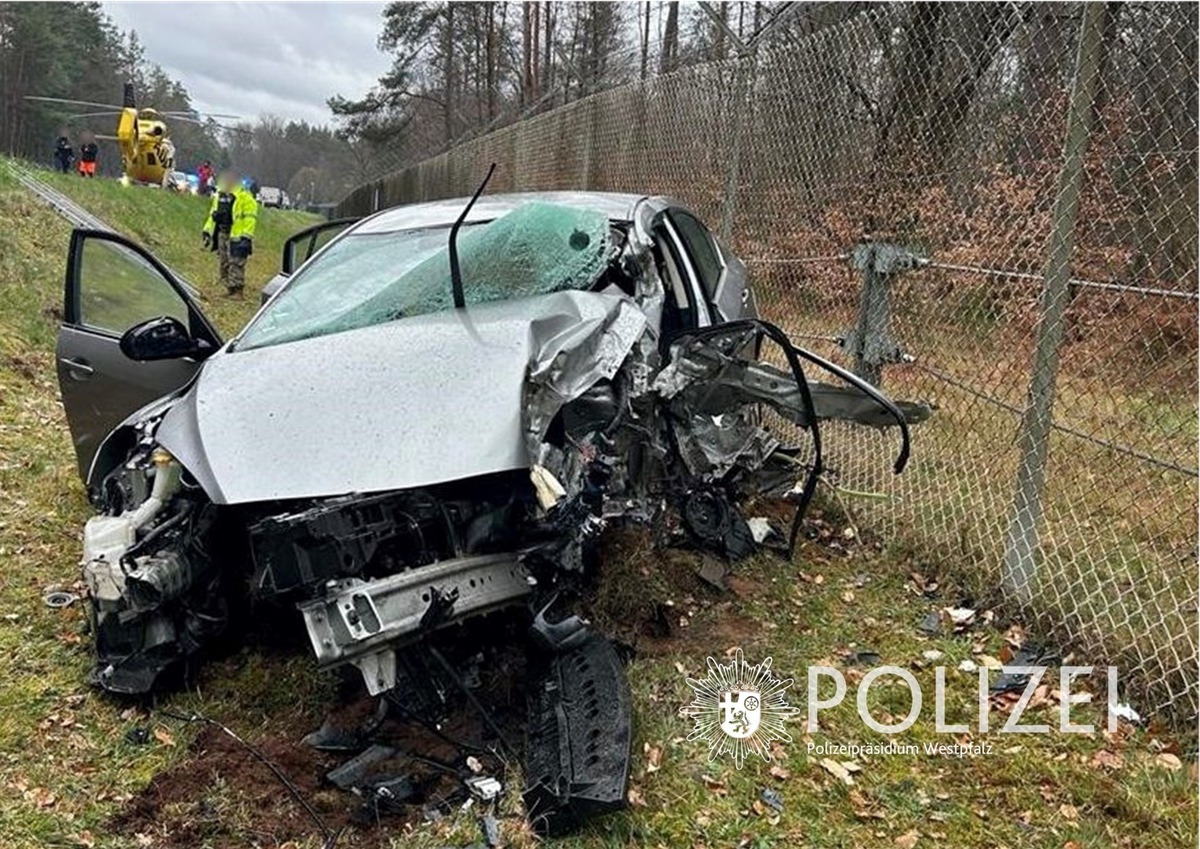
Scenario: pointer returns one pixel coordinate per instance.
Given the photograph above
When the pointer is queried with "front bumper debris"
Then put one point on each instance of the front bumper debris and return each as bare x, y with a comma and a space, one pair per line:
360, 621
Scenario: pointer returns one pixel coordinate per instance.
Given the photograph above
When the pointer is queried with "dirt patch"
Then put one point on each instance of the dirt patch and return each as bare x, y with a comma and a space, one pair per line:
223, 796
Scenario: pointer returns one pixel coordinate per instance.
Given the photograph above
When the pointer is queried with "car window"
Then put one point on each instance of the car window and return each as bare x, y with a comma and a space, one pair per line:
366, 279
118, 289
298, 250
699, 243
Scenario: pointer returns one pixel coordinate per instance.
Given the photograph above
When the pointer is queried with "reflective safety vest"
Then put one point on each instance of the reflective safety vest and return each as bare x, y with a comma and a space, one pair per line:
245, 214
235, 212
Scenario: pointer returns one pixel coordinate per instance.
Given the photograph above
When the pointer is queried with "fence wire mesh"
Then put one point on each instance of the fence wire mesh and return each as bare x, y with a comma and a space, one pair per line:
1036, 164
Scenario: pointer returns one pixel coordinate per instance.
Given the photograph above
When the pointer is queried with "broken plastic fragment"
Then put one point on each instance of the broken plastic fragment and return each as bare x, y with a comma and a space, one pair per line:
545, 484
1126, 712
760, 528
483, 787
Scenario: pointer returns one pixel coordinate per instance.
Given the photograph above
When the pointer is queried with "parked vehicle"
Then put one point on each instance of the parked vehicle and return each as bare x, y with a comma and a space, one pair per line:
271, 196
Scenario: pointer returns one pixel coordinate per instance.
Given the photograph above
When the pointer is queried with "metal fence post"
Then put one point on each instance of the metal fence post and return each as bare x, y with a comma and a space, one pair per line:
1020, 554
870, 342
745, 68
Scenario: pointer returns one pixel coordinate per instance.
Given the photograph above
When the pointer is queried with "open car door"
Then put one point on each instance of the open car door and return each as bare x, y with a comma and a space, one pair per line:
112, 285
298, 249
307, 242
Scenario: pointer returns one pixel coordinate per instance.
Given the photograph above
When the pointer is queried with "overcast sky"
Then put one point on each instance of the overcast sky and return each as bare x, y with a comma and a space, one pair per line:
254, 59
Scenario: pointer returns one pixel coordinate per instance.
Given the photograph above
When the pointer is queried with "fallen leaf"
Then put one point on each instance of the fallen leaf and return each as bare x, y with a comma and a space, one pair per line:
163, 736
1015, 636
1068, 812
960, 617
837, 770
780, 772
1169, 761
907, 841
653, 757
1106, 759
635, 797
932, 655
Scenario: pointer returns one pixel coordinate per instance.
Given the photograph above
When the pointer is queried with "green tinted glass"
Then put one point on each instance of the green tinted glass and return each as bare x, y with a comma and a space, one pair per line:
119, 288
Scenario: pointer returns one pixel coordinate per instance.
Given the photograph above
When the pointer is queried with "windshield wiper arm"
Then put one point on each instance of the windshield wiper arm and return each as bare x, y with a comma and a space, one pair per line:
456, 284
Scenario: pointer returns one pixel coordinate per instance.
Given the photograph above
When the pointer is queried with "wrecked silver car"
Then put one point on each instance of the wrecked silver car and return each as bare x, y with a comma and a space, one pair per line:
431, 422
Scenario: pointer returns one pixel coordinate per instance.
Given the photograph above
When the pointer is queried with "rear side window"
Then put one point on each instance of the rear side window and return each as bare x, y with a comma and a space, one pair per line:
700, 248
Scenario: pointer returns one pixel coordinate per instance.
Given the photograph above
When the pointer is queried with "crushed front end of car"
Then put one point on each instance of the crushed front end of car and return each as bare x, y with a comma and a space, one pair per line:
609, 423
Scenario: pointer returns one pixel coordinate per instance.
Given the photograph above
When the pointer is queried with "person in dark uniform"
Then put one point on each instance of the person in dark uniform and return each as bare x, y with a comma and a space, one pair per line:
218, 223
88, 151
229, 230
64, 154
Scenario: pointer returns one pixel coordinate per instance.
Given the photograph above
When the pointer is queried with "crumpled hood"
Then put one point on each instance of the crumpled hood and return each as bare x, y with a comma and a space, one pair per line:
414, 402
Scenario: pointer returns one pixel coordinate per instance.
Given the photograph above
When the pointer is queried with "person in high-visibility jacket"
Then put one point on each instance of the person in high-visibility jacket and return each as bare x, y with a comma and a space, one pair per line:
229, 230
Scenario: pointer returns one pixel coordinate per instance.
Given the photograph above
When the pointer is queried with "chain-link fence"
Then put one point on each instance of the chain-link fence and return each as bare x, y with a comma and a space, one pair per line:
994, 206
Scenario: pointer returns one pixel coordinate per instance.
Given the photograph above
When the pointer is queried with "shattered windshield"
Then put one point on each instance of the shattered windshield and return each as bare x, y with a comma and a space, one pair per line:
371, 278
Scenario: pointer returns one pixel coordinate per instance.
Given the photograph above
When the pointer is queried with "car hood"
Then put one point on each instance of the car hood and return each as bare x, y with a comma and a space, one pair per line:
418, 401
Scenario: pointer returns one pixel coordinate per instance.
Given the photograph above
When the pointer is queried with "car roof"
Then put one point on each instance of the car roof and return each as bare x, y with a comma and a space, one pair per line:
442, 213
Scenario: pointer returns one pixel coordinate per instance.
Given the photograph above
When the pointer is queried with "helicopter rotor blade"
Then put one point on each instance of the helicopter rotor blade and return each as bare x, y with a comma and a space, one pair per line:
92, 114
198, 116
73, 102
214, 124
241, 130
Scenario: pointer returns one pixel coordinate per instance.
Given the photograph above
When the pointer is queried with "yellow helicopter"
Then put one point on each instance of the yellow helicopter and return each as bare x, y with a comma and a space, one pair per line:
147, 152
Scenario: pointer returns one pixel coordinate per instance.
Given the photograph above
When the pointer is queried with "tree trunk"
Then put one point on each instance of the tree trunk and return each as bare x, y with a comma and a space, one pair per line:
490, 76
670, 42
526, 47
449, 72
645, 40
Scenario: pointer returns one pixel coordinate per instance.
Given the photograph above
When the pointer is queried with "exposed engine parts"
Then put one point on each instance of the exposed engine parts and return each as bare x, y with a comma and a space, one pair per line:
155, 592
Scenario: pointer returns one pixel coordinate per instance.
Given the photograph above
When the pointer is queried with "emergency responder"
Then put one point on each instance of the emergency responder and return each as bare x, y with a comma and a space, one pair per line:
229, 230
64, 154
88, 150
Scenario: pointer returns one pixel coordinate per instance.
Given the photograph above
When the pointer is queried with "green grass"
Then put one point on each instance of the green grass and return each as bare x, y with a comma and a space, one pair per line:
66, 769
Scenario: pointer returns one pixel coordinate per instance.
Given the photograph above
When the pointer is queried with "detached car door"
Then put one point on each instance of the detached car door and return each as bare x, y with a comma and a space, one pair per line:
111, 286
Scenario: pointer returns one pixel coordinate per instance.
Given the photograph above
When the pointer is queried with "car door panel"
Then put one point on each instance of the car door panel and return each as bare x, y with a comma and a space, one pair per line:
734, 299
299, 248
721, 274
100, 387
112, 285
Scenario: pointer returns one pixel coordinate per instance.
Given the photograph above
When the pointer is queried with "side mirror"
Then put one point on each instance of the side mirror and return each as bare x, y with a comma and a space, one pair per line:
162, 338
